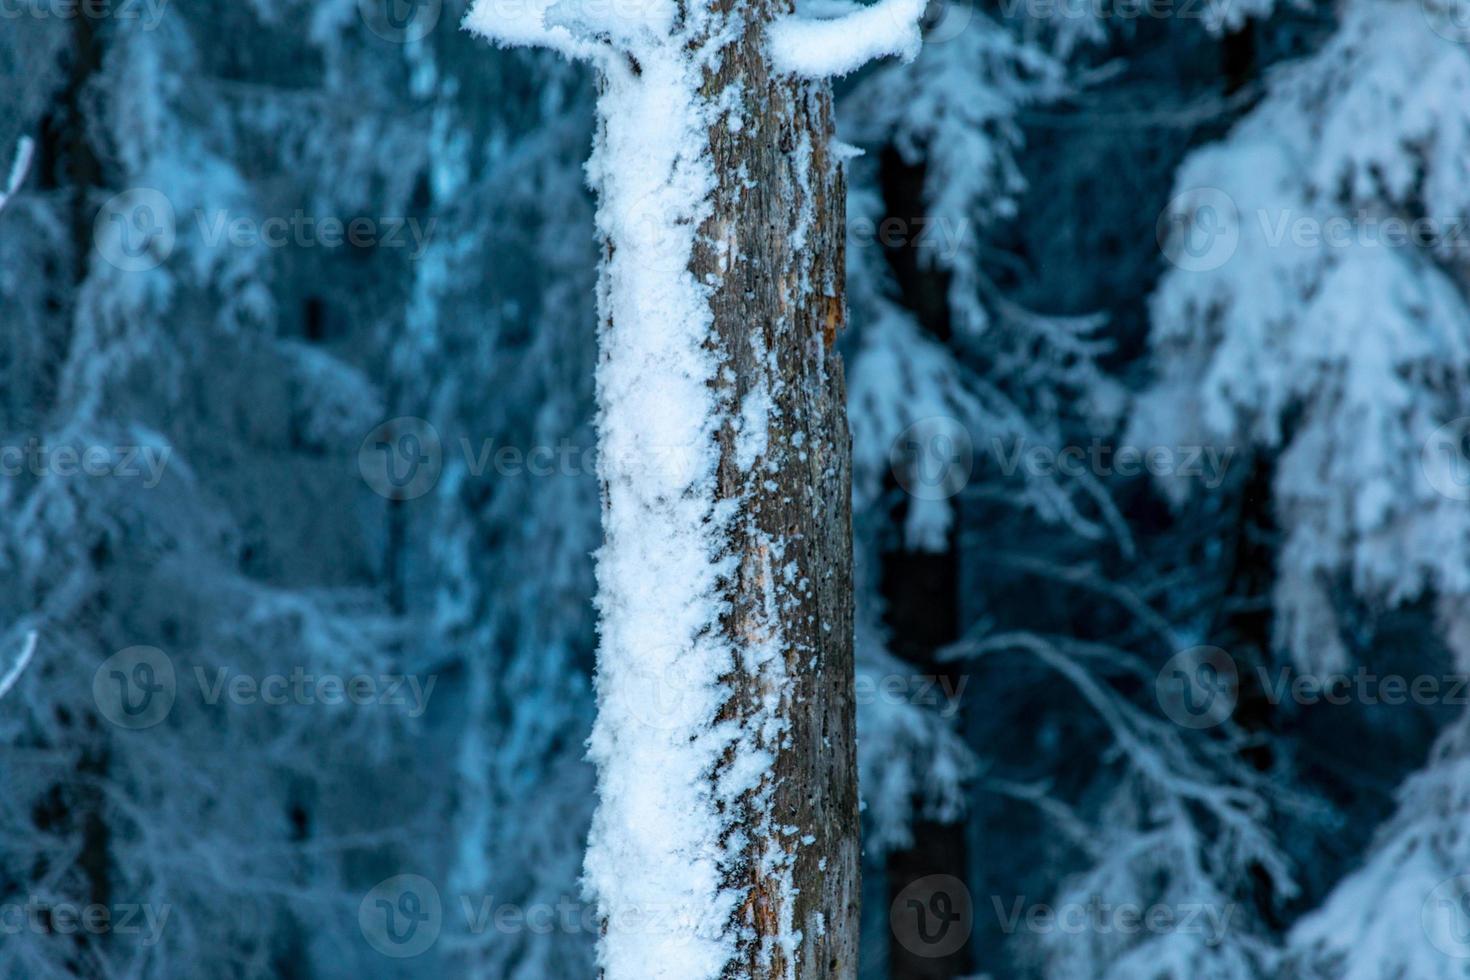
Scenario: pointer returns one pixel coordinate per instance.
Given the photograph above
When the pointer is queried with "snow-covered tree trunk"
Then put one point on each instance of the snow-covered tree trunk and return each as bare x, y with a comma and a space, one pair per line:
771, 253
725, 733
725, 842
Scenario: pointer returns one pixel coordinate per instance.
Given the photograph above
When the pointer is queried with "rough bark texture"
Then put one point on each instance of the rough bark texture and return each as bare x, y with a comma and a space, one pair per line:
778, 288
721, 211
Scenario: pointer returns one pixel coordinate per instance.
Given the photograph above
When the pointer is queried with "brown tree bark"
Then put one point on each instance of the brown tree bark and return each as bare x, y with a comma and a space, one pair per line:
726, 582
780, 207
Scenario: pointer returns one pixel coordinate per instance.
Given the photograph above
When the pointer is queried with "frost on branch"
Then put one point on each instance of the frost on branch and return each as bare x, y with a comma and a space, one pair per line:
18, 666
23, 153
1341, 353
522, 25
836, 38
1395, 916
578, 29
824, 39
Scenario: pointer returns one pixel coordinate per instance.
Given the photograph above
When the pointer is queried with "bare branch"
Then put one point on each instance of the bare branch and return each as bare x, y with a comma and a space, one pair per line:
25, 151
7, 681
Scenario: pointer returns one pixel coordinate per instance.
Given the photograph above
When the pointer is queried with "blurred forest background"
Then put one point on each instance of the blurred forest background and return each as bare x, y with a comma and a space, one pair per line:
1158, 369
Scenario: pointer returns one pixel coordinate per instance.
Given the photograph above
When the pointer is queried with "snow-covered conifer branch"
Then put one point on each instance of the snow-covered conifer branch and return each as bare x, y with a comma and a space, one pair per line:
577, 29
514, 24
823, 39
838, 38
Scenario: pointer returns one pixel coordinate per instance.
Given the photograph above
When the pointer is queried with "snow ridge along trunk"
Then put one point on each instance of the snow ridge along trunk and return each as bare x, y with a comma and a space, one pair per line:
725, 842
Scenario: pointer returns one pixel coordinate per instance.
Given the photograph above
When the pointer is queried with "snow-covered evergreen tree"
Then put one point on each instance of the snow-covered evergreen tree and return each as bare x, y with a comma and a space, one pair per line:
1316, 317
243, 375
239, 398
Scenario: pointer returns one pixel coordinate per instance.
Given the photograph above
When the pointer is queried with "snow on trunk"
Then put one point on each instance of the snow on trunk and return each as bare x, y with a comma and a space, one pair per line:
725, 842
724, 579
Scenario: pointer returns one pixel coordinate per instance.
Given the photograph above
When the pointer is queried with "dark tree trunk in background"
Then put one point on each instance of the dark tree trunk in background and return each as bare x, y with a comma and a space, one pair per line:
67, 163
1238, 60
922, 594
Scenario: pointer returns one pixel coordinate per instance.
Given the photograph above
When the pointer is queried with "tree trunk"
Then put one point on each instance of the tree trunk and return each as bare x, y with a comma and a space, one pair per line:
725, 738
788, 289
922, 592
